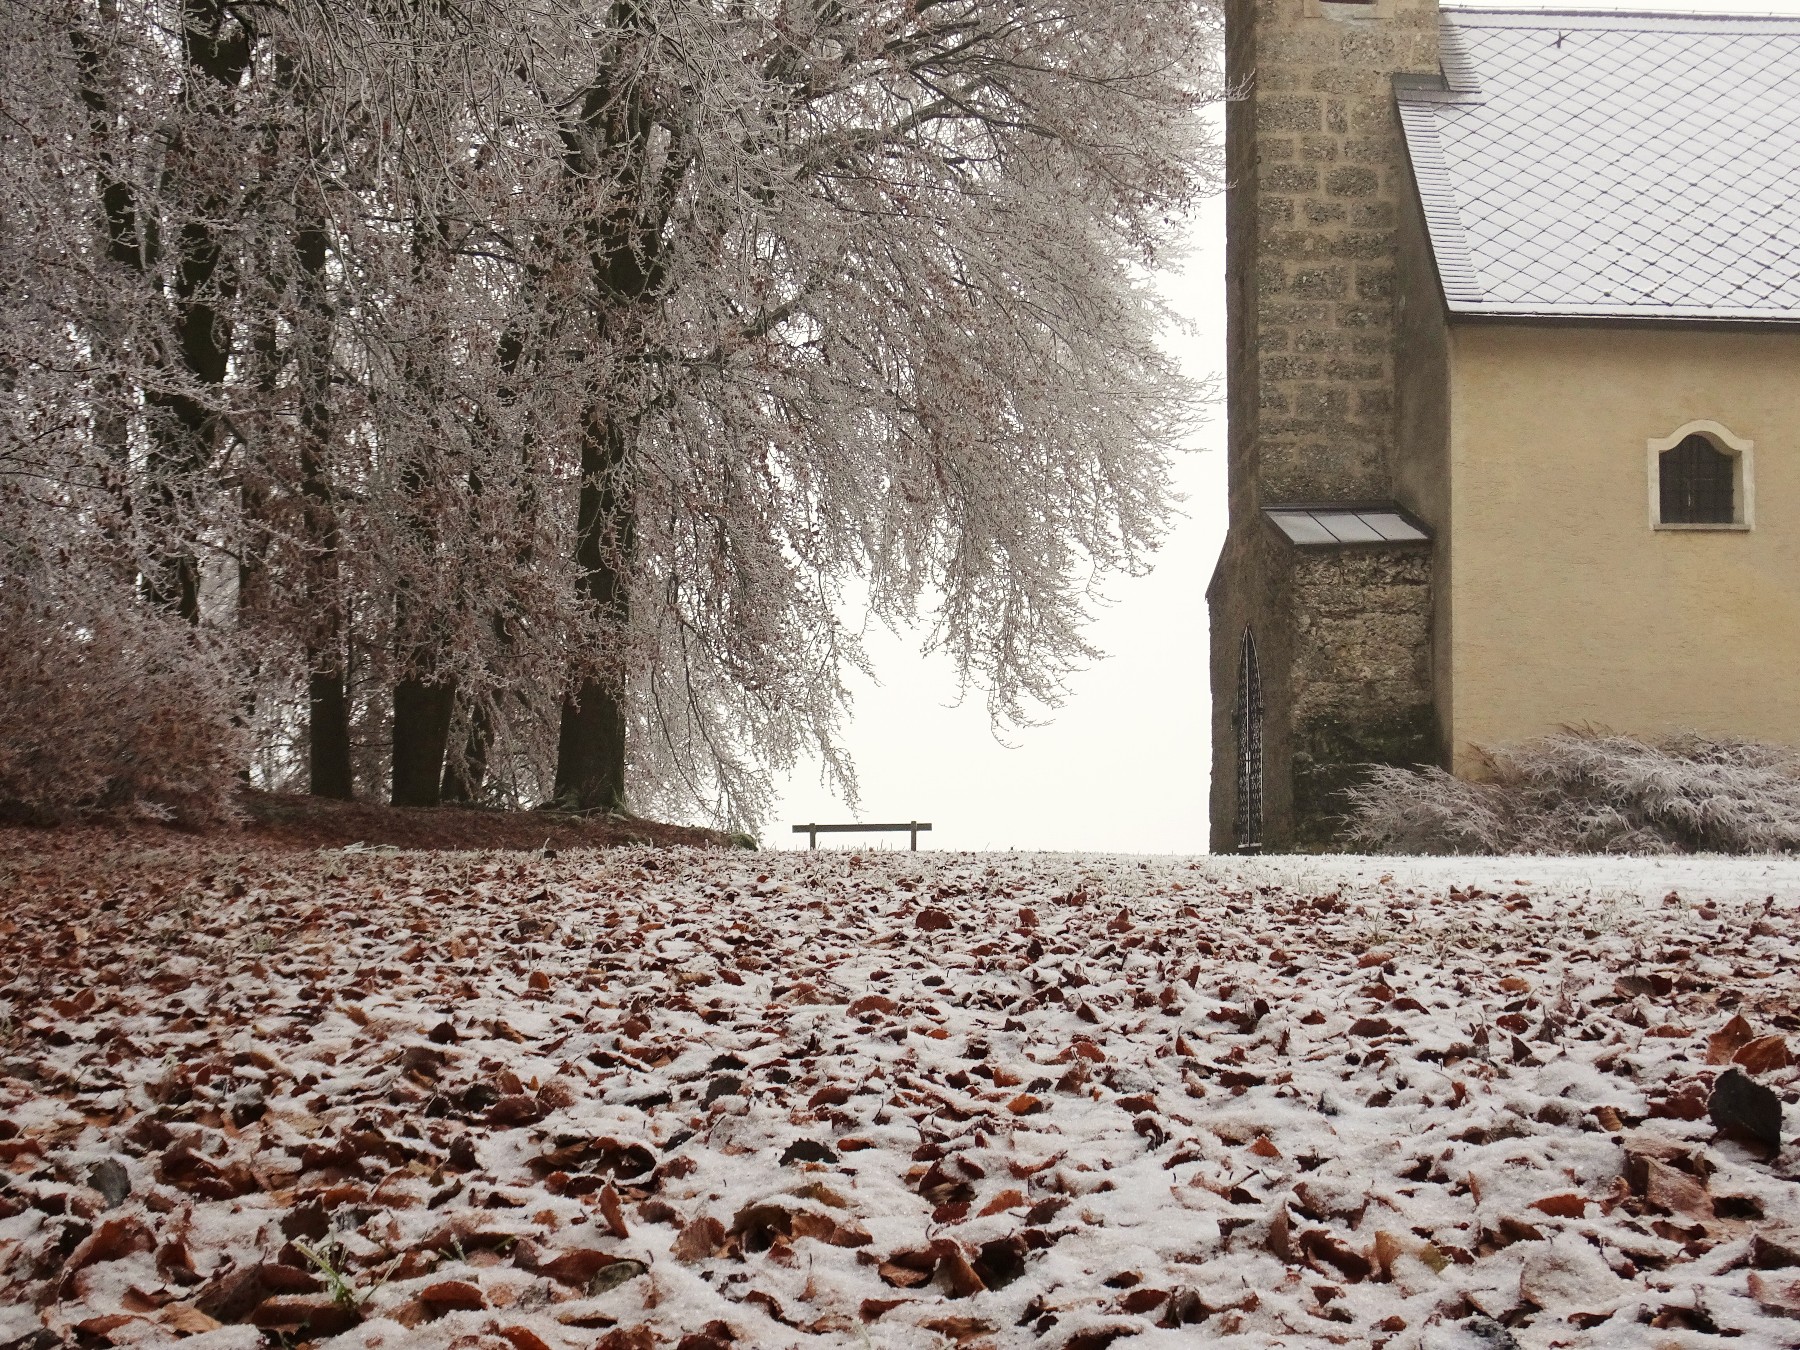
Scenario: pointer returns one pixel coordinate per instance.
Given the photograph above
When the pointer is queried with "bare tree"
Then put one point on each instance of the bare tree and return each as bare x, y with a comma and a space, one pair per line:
555, 375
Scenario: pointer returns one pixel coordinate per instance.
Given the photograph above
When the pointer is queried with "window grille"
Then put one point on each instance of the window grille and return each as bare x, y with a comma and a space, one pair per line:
1248, 718
1695, 481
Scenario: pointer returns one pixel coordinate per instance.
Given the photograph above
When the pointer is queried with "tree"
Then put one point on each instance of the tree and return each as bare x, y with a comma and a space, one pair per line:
568, 367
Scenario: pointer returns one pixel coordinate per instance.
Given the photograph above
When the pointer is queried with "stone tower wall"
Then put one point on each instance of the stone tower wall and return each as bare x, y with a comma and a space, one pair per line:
1318, 179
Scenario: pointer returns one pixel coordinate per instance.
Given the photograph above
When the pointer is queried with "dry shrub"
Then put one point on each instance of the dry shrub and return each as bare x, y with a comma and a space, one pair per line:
1588, 792
107, 705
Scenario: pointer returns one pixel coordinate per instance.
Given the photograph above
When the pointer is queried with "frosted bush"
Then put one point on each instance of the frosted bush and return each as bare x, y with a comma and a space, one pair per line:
1585, 792
123, 710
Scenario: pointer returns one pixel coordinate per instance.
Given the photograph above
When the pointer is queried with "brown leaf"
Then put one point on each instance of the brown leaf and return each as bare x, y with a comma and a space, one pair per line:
1764, 1054
234, 1296
902, 1277
932, 919
873, 1309
453, 1296
1566, 1205
621, 1338
1675, 1191
1776, 1293
613, 1212
1025, 1104
872, 1003
1728, 1040
306, 1315
959, 1277
1011, 1198
97, 1327
188, 1321
716, 1335
516, 1109
578, 1268
1280, 1239
523, 1338
1323, 1246
1386, 1251
111, 1241
699, 1239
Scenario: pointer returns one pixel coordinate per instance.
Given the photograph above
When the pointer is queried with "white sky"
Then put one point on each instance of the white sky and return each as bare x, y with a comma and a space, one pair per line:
1122, 766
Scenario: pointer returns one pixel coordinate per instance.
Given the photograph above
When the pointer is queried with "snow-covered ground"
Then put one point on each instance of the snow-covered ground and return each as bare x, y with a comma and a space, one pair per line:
695, 1099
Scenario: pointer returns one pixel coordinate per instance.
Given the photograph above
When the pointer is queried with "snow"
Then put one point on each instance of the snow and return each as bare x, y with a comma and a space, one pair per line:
891, 1099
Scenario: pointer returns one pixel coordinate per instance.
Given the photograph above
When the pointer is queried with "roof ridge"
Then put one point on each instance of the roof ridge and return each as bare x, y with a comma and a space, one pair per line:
1618, 18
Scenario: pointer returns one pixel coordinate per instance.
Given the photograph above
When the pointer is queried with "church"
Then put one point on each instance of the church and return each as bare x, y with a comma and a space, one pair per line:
1513, 391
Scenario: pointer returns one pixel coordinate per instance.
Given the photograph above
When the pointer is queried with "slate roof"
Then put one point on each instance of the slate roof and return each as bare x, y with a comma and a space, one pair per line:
1612, 165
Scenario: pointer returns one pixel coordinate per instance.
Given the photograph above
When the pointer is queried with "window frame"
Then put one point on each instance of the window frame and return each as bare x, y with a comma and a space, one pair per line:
1743, 477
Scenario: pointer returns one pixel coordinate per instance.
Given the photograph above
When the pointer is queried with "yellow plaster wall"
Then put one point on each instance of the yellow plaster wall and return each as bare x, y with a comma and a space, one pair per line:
1567, 607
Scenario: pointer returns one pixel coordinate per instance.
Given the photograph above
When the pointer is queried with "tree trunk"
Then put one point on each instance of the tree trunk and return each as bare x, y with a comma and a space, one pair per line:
97, 81
590, 745
328, 737
465, 777
624, 252
327, 702
421, 733
182, 429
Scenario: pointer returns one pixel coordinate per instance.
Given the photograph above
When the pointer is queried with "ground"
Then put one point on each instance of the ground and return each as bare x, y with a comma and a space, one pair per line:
255, 1095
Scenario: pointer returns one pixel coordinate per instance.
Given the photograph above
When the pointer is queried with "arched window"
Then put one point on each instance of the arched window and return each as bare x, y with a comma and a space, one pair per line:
1248, 721
1701, 479
1695, 483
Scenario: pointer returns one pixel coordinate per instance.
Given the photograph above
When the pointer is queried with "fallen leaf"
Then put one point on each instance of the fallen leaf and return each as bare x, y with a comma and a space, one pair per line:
1728, 1040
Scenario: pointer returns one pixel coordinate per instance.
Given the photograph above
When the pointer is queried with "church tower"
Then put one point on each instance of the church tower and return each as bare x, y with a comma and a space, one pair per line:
1321, 604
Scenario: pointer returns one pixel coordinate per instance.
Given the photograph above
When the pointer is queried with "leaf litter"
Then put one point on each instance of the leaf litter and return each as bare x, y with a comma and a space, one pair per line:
697, 1099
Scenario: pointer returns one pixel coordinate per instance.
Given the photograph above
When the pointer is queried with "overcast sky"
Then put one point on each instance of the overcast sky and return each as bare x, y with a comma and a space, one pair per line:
1122, 765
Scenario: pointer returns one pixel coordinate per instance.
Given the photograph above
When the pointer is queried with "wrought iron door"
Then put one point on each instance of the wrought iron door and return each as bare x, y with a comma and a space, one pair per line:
1248, 721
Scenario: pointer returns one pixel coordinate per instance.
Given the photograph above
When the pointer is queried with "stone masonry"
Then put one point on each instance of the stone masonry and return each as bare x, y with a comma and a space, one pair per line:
1318, 179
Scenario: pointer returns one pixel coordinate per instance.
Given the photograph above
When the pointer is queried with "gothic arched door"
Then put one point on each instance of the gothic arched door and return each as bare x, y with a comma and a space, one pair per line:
1247, 719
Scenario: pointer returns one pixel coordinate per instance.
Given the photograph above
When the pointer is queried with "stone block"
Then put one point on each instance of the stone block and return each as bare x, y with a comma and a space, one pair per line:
1374, 281
1274, 212
1296, 245
1352, 181
1362, 245
1324, 212
1323, 283
1369, 49
1321, 401
1319, 149
1377, 150
1288, 114
1318, 340
1290, 368
1296, 315
1378, 215
1289, 178
1346, 80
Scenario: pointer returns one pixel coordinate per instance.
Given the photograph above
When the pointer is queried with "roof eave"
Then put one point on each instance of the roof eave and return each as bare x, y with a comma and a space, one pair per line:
1704, 318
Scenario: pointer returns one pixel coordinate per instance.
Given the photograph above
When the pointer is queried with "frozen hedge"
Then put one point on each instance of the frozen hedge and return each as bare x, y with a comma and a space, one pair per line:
125, 710
1587, 792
